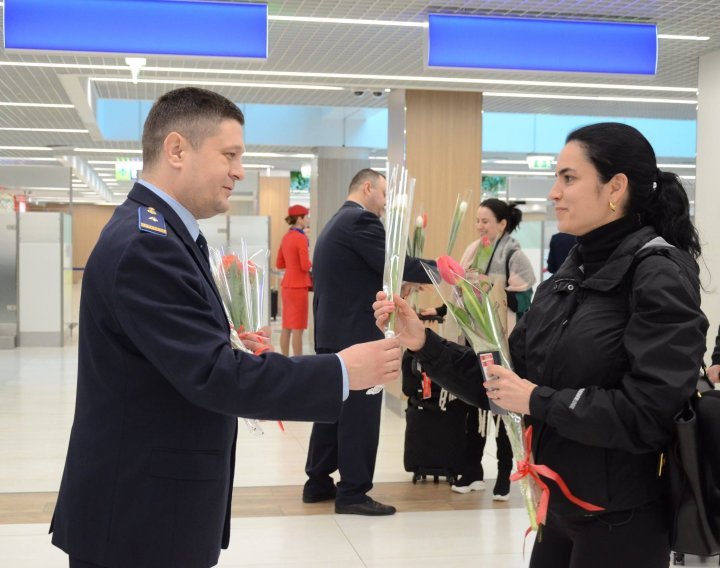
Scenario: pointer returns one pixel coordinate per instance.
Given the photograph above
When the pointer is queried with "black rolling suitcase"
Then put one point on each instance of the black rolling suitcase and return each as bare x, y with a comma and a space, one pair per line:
434, 429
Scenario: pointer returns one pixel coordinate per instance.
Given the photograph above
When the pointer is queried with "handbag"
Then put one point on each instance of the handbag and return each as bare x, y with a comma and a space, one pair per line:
692, 471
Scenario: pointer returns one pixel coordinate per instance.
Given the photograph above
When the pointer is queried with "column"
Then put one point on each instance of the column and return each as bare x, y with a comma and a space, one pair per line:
438, 136
707, 199
331, 174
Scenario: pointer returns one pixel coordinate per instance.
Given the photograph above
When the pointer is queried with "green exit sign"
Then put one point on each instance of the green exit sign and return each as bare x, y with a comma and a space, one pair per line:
540, 162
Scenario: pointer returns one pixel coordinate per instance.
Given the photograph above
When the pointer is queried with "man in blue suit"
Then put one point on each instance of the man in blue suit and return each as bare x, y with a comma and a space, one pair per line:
348, 266
149, 470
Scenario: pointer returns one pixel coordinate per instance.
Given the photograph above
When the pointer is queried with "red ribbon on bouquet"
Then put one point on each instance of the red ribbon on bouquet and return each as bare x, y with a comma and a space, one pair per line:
526, 467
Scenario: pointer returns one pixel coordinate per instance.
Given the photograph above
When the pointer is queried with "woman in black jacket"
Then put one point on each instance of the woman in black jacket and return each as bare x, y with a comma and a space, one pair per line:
609, 351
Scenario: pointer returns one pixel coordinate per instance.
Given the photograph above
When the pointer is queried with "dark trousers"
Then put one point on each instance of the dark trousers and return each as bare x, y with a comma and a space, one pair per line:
75, 563
625, 539
475, 446
349, 446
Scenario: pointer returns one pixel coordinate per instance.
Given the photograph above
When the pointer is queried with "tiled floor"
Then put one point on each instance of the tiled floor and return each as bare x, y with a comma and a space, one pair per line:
37, 390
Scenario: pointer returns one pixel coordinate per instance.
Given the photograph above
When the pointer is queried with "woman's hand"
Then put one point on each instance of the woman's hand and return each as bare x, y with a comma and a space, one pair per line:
714, 373
409, 330
257, 342
508, 390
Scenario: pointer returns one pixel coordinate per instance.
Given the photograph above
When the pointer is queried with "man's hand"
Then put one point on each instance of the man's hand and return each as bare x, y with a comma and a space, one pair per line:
372, 363
714, 373
428, 312
408, 327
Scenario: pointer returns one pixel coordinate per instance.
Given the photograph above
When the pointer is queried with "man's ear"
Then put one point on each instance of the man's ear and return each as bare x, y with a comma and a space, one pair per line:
174, 148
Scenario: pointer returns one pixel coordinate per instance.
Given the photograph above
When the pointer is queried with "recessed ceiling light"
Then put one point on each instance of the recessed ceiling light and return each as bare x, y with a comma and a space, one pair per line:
359, 77
218, 83
27, 148
685, 37
354, 21
517, 173
35, 105
65, 130
26, 159
590, 98
107, 151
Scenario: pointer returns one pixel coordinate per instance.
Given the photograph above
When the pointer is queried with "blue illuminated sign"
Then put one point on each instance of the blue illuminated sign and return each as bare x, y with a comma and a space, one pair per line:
541, 45
152, 27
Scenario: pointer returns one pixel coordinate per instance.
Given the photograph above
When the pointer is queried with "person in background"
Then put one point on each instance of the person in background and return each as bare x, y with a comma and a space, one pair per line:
495, 221
294, 257
149, 471
606, 356
348, 267
559, 248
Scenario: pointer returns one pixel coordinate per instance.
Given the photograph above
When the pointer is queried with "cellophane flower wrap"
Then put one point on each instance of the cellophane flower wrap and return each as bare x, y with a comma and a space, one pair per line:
461, 206
240, 283
415, 247
399, 197
483, 254
477, 307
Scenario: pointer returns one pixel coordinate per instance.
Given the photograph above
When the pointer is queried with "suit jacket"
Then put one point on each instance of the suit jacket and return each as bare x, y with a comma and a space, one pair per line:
149, 469
294, 257
348, 266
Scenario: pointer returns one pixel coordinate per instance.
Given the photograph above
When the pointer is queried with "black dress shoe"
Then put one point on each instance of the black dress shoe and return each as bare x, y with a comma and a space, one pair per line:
370, 507
317, 498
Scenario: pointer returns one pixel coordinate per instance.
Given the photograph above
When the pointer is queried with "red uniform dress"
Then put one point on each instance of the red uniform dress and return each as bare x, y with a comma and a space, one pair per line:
294, 257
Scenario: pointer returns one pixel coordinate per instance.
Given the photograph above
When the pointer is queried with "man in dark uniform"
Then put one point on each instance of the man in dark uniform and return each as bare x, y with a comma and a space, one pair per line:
149, 470
348, 266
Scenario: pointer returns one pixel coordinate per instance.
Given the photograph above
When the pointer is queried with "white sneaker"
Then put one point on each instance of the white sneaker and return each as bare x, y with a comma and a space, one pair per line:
474, 486
501, 497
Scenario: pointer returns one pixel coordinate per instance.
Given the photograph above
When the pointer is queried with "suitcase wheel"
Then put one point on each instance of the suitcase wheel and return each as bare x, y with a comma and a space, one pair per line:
451, 479
416, 477
678, 559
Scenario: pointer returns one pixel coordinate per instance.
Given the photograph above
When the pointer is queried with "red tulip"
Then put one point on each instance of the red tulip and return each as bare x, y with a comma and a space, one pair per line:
424, 217
485, 241
450, 269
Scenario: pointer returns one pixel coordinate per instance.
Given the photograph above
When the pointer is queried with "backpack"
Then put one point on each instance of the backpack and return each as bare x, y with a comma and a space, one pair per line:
690, 464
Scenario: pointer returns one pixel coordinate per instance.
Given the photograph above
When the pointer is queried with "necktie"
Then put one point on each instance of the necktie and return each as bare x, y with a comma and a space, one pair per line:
203, 246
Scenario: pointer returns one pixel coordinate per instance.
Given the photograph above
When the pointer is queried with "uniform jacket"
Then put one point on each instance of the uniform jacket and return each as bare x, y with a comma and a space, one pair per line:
294, 257
348, 266
615, 357
149, 469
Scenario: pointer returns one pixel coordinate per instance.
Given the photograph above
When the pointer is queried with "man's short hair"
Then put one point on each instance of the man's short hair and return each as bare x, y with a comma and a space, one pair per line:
194, 113
362, 176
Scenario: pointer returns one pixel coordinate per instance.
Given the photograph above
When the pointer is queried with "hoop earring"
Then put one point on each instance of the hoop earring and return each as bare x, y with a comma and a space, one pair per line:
613, 207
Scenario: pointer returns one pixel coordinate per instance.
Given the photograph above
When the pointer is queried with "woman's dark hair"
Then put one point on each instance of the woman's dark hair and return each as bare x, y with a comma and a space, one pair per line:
292, 219
503, 211
657, 198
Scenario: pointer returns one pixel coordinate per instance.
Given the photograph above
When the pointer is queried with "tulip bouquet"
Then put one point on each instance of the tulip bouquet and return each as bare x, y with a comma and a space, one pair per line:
399, 195
461, 206
476, 309
240, 284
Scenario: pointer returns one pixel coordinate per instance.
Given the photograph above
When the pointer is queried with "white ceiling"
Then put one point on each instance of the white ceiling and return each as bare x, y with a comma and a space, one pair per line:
364, 57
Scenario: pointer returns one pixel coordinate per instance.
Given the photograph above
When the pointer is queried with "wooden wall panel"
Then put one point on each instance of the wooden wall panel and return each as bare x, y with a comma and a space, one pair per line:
274, 200
88, 221
444, 154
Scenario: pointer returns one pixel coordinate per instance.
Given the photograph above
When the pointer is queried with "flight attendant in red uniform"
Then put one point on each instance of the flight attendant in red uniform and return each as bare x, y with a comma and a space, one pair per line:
294, 257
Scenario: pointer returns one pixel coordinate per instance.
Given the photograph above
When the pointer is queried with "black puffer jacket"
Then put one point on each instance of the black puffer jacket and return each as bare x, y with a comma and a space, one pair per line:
615, 357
